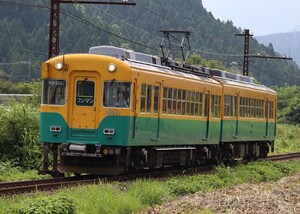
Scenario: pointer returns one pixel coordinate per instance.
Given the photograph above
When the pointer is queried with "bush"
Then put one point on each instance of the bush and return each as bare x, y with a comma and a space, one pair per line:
19, 134
287, 139
59, 204
10, 172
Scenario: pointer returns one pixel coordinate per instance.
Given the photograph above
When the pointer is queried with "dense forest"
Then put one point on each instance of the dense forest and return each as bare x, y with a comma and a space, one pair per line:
24, 36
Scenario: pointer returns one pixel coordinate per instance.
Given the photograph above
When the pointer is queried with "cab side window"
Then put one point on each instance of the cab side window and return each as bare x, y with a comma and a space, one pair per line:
116, 94
54, 92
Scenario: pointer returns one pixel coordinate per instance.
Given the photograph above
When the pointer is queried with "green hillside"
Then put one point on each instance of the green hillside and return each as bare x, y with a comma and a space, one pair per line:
24, 35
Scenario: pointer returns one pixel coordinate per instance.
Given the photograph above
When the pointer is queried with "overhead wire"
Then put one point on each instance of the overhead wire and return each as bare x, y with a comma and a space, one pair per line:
271, 74
18, 4
126, 23
77, 18
86, 22
186, 28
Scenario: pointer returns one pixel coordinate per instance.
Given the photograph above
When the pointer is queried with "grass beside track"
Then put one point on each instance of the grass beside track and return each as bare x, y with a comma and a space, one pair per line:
136, 196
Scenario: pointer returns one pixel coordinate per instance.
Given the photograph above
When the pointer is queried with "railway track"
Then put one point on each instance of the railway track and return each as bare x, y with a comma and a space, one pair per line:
288, 156
19, 187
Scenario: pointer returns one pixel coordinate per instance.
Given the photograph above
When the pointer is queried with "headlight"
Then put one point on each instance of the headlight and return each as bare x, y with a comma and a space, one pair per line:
59, 66
112, 68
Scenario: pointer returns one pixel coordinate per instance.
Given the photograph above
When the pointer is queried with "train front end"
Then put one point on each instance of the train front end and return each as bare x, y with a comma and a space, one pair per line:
85, 114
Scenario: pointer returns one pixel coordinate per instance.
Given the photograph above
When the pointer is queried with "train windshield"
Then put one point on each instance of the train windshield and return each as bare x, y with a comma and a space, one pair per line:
116, 94
54, 92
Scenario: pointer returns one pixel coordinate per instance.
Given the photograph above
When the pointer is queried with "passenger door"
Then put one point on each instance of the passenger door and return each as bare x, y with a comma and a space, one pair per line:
84, 102
206, 113
236, 113
267, 116
134, 108
156, 108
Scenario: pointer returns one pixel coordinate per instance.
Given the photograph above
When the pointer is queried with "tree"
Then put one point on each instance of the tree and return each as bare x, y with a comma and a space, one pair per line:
292, 112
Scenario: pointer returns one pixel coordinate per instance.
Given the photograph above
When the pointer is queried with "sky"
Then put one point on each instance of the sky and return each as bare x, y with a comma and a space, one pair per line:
261, 17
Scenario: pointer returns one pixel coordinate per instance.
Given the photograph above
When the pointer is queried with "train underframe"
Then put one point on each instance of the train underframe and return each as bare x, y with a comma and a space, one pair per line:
65, 158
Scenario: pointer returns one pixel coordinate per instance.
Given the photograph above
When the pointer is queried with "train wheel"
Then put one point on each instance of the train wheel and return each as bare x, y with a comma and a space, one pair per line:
138, 164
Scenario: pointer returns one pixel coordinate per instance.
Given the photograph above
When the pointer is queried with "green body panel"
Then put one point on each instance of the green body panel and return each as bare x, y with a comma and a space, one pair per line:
121, 125
148, 131
239, 131
151, 131
145, 131
52, 119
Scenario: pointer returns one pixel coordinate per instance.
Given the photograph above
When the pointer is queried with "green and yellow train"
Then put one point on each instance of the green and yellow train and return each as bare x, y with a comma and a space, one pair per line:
114, 110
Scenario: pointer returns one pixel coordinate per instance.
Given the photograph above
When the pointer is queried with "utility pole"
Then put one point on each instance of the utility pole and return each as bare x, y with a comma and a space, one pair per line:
53, 49
247, 36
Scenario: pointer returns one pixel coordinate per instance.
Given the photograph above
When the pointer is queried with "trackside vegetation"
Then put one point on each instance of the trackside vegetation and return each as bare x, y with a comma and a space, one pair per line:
133, 197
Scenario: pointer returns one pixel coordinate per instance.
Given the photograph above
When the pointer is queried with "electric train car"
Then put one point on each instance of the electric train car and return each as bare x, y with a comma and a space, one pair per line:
113, 110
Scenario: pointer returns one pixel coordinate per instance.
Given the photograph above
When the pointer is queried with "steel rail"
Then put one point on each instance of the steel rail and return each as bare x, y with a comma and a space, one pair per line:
20, 187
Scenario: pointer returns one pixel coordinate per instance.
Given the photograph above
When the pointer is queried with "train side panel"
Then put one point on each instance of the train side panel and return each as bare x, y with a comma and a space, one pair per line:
178, 119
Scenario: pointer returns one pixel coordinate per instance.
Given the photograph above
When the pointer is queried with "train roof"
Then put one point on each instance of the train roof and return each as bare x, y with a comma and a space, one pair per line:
168, 71
171, 67
154, 63
249, 85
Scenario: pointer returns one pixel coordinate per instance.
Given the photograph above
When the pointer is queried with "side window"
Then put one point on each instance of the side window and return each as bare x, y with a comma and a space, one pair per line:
149, 98
143, 98
226, 105
212, 107
196, 104
174, 101
165, 99
229, 106
188, 102
242, 107
271, 109
218, 106
183, 102
200, 104
116, 94
156, 99
206, 105
85, 92
234, 106
179, 101
169, 100
192, 103
54, 92
266, 109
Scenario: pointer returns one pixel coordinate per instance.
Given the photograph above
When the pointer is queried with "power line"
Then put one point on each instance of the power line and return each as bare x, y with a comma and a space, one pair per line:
123, 22
272, 74
54, 26
75, 17
157, 37
13, 63
88, 23
189, 29
9, 3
